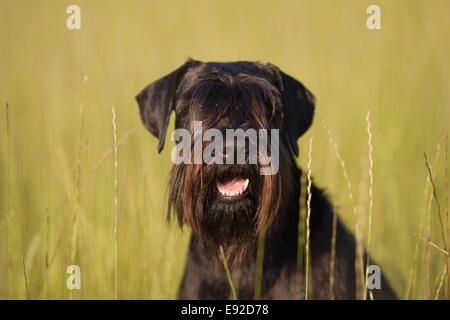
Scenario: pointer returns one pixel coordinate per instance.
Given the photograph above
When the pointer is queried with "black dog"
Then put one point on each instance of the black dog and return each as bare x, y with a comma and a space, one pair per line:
229, 205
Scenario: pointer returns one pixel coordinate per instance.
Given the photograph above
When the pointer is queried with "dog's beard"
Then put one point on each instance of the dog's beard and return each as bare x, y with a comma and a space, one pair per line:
232, 226
232, 222
222, 103
229, 221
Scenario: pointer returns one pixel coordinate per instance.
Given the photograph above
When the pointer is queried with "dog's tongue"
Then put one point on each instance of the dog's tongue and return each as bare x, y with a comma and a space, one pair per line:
232, 186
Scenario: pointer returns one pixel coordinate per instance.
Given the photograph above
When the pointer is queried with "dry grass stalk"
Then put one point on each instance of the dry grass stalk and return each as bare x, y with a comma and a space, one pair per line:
25, 279
446, 213
426, 258
9, 205
439, 213
93, 170
369, 231
441, 281
116, 199
99, 163
47, 242
359, 266
431, 244
76, 203
308, 216
102, 159
333, 241
411, 290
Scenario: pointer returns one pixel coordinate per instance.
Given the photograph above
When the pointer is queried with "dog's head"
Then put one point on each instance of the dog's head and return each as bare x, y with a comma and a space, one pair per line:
238, 125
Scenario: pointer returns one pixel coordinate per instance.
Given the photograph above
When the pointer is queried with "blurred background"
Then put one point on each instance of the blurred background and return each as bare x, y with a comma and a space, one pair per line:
61, 85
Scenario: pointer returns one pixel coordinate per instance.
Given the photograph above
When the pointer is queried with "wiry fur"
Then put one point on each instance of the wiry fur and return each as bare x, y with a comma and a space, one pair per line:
252, 101
259, 96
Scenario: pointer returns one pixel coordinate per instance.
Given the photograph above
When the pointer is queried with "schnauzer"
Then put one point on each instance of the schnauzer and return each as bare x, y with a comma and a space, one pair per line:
231, 206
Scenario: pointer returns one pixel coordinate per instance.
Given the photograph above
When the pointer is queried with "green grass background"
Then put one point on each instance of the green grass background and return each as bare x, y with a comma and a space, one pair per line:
400, 73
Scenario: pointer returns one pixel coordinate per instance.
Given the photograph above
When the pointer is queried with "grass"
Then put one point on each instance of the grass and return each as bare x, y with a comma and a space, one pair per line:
76, 199
259, 265
333, 256
308, 217
413, 274
9, 208
431, 244
401, 72
227, 270
446, 213
359, 267
301, 243
443, 276
436, 199
370, 210
116, 201
25, 279
46, 253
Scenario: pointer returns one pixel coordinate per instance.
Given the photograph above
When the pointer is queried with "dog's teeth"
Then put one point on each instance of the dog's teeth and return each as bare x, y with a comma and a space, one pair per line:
246, 184
233, 193
221, 191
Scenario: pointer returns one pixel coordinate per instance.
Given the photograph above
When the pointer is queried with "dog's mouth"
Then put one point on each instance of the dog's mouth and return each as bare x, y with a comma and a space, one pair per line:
233, 188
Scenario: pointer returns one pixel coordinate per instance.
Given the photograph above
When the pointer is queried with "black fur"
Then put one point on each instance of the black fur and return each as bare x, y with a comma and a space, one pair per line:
260, 96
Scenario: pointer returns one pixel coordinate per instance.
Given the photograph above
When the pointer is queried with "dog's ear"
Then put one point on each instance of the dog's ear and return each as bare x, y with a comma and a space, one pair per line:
298, 106
157, 101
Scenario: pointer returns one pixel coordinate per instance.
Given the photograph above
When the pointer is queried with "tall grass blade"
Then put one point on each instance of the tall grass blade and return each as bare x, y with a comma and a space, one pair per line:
230, 281
359, 264
446, 213
47, 244
259, 265
412, 287
116, 200
369, 231
25, 279
9, 205
301, 242
443, 234
76, 203
333, 255
308, 216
